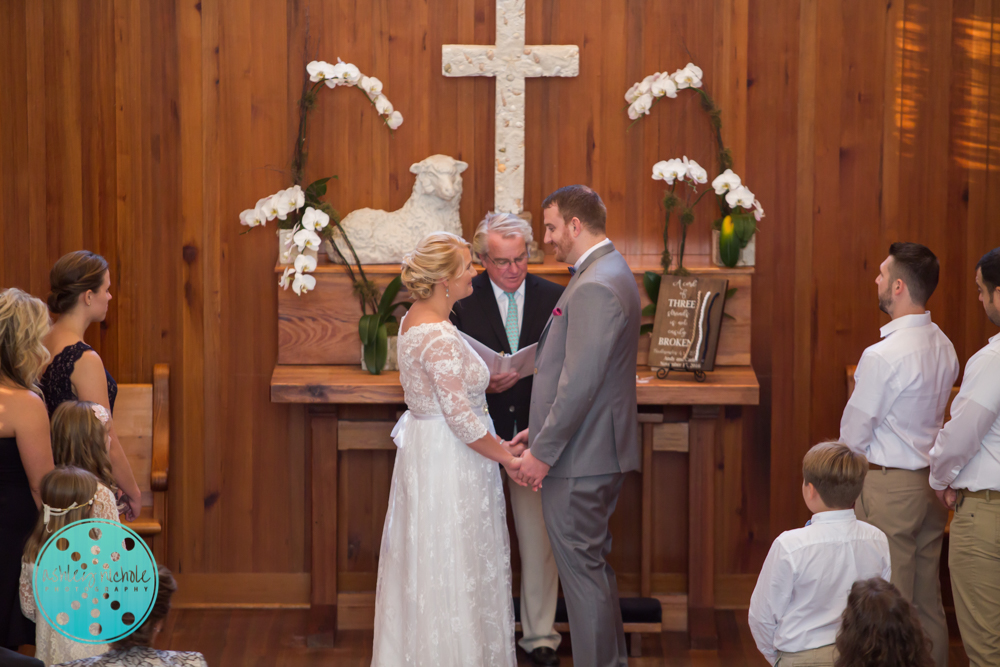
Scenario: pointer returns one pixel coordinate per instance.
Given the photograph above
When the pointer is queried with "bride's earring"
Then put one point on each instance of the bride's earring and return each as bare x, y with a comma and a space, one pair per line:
447, 294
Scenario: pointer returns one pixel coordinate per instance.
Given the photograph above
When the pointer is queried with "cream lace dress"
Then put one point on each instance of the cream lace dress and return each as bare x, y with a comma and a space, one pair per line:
444, 584
51, 647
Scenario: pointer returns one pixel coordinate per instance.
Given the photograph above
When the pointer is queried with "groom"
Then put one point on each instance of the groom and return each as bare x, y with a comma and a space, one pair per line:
582, 426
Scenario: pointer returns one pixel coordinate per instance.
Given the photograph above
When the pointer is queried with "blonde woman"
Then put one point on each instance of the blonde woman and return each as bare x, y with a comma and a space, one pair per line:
25, 453
444, 583
81, 291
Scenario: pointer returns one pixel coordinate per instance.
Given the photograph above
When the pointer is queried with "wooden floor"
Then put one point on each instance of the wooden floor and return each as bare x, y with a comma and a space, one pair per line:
231, 638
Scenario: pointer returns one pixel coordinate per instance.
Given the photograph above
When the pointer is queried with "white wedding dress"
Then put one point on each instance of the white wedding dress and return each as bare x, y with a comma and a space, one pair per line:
444, 585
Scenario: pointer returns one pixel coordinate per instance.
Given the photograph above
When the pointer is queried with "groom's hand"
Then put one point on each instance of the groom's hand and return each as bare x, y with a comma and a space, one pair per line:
532, 470
520, 439
501, 382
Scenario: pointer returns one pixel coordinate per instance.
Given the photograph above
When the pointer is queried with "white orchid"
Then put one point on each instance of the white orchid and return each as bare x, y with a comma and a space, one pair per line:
688, 77
632, 94
306, 238
314, 219
352, 75
371, 86
285, 279
305, 264
640, 107
726, 181
758, 210
268, 206
252, 217
650, 79
319, 70
695, 171
394, 120
338, 75
282, 203
303, 283
664, 86
383, 105
296, 196
669, 171
740, 196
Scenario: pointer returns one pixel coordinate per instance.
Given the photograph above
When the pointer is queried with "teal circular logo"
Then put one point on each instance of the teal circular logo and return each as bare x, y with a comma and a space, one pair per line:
95, 581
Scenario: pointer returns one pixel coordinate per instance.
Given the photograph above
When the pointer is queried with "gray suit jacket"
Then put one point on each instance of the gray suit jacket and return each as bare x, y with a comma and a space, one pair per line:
583, 417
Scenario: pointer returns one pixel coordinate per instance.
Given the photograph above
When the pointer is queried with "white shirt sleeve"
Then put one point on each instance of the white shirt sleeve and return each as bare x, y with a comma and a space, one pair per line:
875, 390
770, 599
973, 413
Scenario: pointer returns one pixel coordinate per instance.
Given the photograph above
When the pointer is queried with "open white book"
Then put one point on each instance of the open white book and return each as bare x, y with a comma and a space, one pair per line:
522, 361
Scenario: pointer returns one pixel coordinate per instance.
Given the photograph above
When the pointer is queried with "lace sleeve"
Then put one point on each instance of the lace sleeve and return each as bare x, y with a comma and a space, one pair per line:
27, 594
443, 359
105, 506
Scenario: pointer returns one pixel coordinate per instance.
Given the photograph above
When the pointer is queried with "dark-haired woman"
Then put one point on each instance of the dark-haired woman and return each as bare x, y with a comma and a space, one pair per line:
80, 292
25, 450
135, 650
880, 629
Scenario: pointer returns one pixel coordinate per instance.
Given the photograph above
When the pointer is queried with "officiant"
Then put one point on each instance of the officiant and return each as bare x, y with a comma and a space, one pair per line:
507, 311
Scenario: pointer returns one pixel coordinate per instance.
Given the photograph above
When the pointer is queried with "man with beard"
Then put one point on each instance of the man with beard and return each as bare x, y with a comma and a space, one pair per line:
965, 473
902, 386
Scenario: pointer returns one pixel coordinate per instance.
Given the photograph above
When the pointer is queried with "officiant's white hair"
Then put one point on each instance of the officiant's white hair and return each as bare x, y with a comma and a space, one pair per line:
504, 224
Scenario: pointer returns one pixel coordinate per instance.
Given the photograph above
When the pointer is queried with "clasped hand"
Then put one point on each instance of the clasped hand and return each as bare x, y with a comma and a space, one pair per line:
525, 469
948, 497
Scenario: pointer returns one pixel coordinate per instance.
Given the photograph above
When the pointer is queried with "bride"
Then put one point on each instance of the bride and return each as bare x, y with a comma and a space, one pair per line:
444, 589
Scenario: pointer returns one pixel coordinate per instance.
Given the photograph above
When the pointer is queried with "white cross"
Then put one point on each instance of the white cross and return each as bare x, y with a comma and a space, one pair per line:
510, 61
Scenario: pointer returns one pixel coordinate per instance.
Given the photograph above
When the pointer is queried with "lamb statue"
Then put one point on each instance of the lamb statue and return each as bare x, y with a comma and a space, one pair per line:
383, 237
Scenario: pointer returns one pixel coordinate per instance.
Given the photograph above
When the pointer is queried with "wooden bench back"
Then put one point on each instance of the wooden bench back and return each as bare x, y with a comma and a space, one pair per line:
142, 423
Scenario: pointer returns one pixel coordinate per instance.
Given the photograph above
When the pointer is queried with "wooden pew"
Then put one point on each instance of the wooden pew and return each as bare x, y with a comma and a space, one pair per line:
142, 422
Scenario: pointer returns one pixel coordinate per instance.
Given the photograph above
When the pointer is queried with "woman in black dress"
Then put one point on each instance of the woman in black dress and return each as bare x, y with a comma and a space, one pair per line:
80, 283
25, 451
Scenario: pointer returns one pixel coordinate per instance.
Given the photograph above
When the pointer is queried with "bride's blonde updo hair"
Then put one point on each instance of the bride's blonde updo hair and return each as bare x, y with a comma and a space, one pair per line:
437, 257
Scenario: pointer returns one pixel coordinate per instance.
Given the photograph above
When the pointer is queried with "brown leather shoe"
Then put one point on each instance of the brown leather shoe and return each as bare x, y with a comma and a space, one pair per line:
544, 656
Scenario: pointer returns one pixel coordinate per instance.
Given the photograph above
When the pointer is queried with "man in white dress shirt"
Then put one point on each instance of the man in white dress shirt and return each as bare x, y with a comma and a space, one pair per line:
507, 311
965, 473
902, 386
802, 589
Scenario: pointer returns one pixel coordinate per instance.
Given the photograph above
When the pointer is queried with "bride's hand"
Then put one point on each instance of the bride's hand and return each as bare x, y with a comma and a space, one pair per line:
515, 449
512, 467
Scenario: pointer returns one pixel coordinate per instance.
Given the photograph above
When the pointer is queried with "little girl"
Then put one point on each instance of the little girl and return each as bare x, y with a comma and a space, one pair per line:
80, 438
68, 495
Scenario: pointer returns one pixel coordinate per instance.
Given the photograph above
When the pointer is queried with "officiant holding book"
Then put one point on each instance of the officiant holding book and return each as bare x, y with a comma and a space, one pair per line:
507, 311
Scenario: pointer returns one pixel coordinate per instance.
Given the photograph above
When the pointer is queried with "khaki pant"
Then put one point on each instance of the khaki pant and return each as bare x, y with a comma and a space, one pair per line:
539, 575
824, 656
974, 561
902, 505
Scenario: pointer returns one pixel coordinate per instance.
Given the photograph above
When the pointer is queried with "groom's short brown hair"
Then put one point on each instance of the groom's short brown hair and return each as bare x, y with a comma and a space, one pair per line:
579, 201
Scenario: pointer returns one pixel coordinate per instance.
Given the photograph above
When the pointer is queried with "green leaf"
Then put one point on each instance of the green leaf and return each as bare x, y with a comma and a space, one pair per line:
717, 224
645, 329
388, 296
731, 292
728, 315
392, 327
370, 358
744, 225
651, 281
366, 329
317, 189
381, 348
649, 311
729, 245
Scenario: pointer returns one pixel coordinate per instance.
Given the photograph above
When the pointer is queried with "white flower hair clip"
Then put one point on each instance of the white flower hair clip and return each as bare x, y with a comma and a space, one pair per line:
49, 512
101, 412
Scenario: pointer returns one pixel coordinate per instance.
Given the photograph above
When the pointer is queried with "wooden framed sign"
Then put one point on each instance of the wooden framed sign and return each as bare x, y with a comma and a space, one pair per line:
688, 319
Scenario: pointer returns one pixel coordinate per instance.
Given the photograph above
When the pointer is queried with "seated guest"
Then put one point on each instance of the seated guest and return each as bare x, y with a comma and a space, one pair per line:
507, 311
135, 649
10, 658
68, 495
80, 439
880, 629
802, 589
25, 452
80, 283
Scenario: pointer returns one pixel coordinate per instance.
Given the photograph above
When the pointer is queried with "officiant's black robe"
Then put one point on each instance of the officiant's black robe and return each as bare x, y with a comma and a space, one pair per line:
478, 315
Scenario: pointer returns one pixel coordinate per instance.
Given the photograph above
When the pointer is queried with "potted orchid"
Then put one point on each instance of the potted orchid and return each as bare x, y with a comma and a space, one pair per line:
738, 208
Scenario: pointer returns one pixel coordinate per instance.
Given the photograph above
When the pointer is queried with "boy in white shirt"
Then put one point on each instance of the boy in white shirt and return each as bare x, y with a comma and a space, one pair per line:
802, 589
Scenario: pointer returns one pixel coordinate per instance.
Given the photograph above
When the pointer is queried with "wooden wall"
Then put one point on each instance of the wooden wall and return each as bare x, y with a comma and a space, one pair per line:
141, 130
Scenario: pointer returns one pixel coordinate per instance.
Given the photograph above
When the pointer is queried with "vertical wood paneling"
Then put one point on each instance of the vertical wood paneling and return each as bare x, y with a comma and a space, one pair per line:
141, 130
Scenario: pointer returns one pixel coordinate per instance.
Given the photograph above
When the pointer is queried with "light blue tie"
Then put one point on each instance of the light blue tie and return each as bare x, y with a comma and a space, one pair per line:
511, 326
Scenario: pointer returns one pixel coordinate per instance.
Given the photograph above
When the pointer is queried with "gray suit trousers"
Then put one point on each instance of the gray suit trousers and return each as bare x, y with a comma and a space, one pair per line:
577, 511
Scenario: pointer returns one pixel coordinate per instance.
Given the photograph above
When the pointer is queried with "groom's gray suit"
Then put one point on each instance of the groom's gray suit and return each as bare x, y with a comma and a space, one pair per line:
583, 423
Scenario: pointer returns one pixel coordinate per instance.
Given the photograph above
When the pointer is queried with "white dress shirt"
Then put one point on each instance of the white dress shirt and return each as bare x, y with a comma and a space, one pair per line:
502, 302
589, 251
808, 573
967, 452
902, 386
